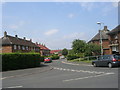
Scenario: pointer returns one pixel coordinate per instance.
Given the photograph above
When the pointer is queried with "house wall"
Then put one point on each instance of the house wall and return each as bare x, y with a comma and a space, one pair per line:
6, 49
105, 45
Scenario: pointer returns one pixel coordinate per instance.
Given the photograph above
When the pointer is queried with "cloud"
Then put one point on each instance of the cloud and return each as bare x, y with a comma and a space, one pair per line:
16, 26
13, 26
75, 35
51, 32
87, 5
71, 15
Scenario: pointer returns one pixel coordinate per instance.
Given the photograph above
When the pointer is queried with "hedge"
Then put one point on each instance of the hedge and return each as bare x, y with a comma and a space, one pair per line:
54, 57
15, 61
71, 57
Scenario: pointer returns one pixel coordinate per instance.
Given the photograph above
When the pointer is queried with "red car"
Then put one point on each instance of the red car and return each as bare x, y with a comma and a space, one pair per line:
47, 60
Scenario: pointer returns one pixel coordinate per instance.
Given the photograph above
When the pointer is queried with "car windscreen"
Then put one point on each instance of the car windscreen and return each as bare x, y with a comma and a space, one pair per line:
117, 56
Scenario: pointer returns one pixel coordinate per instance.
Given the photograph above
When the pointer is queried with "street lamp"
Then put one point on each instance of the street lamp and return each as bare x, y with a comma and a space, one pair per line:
100, 31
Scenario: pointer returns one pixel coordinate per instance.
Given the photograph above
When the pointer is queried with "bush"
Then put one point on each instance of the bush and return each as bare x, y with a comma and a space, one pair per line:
54, 57
13, 61
71, 57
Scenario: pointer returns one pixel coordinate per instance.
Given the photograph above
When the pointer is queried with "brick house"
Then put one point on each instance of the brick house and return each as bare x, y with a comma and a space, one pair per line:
12, 44
105, 40
114, 40
59, 52
44, 51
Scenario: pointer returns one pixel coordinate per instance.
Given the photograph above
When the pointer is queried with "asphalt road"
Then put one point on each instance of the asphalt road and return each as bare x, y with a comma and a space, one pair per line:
62, 74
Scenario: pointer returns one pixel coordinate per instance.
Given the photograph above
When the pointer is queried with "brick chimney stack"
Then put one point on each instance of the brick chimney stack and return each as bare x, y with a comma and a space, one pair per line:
16, 36
5, 34
105, 28
24, 38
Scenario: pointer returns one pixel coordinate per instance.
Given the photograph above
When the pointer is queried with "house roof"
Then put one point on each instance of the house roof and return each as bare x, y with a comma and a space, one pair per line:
115, 30
53, 51
103, 34
10, 40
42, 47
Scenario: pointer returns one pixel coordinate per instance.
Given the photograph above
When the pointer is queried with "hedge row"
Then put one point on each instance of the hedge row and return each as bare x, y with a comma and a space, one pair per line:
15, 61
54, 57
71, 57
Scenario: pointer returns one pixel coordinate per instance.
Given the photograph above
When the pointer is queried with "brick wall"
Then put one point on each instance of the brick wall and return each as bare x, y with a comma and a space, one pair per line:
105, 44
6, 49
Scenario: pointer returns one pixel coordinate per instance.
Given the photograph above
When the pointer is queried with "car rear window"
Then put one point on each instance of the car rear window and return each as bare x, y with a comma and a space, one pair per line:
117, 56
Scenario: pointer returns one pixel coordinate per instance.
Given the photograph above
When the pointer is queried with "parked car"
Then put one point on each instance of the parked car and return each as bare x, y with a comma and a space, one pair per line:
107, 60
47, 60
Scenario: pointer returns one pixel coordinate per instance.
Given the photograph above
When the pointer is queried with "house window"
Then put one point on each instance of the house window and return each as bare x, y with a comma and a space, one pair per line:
27, 48
23, 48
15, 47
116, 37
19, 47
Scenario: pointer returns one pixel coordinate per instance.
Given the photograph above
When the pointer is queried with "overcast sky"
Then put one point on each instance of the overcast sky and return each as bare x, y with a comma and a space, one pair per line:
57, 24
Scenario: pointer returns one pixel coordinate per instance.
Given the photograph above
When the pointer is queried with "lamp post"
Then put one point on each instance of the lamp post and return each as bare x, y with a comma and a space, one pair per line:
100, 31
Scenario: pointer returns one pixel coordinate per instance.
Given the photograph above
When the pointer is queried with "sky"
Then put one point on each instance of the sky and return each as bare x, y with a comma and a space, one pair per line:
57, 24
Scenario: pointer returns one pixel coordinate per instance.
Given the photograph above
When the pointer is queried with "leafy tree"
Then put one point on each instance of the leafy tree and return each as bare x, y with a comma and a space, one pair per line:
92, 49
78, 46
64, 52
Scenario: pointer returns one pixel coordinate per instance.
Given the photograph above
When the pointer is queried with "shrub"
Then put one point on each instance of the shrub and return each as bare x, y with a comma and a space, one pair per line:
13, 61
54, 57
71, 57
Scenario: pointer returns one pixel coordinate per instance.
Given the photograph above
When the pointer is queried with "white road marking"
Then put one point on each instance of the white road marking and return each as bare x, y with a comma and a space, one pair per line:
87, 77
15, 87
72, 70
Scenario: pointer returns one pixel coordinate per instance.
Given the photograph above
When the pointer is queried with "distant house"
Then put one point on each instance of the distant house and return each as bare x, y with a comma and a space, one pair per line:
114, 38
44, 51
12, 44
59, 52
105, 40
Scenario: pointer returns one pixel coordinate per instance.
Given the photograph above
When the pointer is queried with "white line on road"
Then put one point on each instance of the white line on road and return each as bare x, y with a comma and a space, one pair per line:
87, 77
15, 87
72, 70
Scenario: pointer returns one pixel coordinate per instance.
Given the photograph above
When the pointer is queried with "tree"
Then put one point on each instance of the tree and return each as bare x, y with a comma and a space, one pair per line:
78, 46
64, 52
92, 49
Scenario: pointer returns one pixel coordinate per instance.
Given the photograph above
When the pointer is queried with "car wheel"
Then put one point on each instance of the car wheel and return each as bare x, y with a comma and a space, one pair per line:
109, 65
94, 64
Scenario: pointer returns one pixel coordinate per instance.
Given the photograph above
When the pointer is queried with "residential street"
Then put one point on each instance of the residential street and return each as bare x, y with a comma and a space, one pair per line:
60, 74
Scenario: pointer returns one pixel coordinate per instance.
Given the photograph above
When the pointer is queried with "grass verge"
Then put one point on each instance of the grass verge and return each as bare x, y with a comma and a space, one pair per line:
81, 60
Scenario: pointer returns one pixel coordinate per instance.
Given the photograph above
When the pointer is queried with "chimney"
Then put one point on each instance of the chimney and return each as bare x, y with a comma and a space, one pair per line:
24, 38
5, 34
31, 40
36, 43
16, 36
105, 28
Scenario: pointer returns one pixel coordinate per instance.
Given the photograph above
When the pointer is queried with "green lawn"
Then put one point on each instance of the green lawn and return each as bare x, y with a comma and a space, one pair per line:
81, 60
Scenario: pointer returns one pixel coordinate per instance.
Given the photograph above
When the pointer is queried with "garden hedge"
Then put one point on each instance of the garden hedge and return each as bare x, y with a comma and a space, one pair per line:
15, 61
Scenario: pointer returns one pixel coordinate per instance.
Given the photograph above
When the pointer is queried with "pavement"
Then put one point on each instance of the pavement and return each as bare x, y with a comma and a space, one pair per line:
62, 74
25, 72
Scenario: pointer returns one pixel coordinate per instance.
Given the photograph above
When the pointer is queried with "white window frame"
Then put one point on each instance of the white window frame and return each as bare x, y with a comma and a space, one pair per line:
15, 47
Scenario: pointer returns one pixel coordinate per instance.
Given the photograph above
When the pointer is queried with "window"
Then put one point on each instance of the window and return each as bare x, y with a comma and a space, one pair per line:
26, 47
23, 48
19, 47
15, 47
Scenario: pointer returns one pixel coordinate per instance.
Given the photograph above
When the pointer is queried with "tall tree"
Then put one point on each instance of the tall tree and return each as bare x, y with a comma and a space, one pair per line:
64, 52
78, 46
